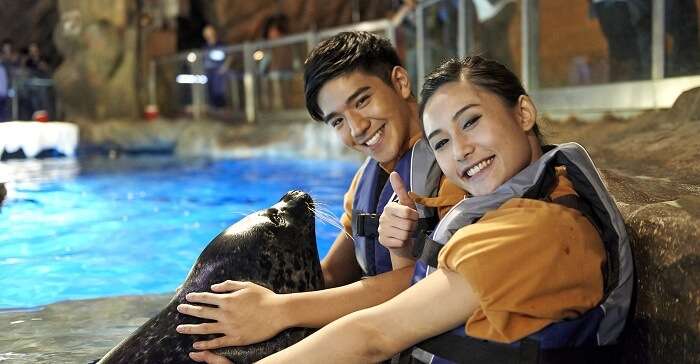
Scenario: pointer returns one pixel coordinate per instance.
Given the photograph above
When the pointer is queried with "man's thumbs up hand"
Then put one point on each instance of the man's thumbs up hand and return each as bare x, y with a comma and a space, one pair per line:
398, 221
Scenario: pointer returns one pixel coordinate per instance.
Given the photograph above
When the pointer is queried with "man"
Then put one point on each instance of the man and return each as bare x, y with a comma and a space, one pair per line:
214, 67
4, 90
355, 83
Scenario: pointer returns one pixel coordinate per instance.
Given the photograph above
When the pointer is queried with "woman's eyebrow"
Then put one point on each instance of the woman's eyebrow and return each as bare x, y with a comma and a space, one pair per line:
463, 109
432, 134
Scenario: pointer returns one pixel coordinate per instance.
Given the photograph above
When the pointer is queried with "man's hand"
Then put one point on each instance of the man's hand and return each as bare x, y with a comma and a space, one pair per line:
245, 313
398, 222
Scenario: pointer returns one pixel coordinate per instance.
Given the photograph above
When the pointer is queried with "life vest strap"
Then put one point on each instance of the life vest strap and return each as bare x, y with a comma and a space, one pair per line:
365, 224
426, 249
464, 349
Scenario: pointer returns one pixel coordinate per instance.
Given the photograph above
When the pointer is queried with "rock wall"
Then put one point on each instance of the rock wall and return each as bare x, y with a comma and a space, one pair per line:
29, 21
650, 165
97, 78
239, 21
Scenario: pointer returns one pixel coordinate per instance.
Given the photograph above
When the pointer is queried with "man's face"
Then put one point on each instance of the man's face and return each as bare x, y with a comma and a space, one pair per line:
7, 49
368, 115
209, 34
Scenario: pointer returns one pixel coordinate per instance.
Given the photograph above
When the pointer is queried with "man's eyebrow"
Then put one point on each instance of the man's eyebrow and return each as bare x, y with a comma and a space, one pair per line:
330, 116
357, 92
463, 109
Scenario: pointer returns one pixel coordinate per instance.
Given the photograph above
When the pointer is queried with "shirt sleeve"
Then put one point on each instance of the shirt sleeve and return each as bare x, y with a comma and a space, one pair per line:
346, 218
531, 263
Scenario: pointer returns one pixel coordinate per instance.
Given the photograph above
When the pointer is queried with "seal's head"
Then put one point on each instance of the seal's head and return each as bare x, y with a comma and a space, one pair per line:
275, 248
293, 214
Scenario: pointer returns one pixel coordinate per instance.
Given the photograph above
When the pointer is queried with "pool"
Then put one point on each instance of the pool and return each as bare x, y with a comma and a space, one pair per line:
97, 227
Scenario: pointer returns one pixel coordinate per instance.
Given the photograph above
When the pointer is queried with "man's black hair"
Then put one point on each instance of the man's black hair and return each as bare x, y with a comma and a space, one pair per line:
342, 54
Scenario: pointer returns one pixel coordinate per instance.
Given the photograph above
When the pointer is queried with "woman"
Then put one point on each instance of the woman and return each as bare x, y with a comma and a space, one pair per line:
535, 259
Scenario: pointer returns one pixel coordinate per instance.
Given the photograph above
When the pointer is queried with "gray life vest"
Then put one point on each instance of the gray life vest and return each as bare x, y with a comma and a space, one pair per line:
420, 173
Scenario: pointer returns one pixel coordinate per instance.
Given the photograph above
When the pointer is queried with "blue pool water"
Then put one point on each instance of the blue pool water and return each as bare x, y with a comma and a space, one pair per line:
101, 227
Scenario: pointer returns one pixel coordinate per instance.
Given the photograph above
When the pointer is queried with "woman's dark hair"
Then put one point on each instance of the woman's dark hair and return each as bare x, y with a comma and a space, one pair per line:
342, 54
484, 73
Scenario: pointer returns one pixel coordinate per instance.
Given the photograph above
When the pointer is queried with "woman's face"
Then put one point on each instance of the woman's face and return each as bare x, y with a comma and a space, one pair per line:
479, 142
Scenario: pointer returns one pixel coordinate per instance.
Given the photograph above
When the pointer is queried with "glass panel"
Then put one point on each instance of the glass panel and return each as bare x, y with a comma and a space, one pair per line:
405, 34
32, 97
496, 31
224, 82
583, 42
440, 44
225, 93
174, 87
279, 74
682, 48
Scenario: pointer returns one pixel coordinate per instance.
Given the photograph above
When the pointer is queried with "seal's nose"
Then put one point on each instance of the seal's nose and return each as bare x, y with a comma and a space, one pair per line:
297, 198
291, 196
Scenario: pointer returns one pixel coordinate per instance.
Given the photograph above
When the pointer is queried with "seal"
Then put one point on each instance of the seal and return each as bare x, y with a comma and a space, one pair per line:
275, 248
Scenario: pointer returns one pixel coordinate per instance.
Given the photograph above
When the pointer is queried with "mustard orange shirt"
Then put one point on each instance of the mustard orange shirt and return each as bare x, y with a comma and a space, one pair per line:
530, 262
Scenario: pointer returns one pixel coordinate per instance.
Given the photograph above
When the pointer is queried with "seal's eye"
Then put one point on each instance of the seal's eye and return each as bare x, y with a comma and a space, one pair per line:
273, 215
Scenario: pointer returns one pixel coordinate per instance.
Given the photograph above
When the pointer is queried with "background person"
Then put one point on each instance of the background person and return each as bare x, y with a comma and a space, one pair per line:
214, 61
626, 25
4, 92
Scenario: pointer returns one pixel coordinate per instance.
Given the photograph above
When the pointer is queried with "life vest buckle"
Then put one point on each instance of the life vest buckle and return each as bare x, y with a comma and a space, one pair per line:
365, 224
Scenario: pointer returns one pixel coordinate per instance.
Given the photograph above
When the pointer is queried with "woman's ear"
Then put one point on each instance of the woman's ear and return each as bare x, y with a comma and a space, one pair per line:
400, 81
526, 112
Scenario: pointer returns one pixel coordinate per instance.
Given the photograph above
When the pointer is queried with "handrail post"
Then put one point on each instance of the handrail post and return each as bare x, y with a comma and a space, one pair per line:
530, 35
152, 82
249, 82
420, 46
658, 28
462, 29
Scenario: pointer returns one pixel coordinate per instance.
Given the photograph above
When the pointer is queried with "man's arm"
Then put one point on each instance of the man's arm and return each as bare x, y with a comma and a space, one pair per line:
436, 304
340, 266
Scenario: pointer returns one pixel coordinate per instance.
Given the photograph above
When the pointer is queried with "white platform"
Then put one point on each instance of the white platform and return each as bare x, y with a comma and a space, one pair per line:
33, 137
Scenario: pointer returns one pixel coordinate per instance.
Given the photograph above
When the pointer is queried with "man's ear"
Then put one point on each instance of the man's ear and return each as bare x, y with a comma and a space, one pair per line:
526, 112
401, 82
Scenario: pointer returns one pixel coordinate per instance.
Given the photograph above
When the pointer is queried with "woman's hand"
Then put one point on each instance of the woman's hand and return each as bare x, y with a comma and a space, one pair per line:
208, 357
245, 313
397, 224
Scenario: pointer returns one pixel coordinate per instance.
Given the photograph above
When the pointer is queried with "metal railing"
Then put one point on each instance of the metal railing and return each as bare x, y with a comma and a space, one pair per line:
29, 95
263, 80
259, 80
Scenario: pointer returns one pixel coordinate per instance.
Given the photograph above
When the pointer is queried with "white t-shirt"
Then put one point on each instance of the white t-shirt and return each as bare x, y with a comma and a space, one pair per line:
487, 9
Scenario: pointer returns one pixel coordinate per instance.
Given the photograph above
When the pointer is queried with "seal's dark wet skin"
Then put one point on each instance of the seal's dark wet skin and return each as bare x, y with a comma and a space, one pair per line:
275, 248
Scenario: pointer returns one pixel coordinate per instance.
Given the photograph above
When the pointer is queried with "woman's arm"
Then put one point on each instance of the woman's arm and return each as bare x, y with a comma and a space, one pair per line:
436, 304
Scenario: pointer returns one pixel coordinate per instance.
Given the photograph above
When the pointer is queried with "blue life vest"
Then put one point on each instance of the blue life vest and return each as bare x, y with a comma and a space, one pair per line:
591, 335
420, 173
